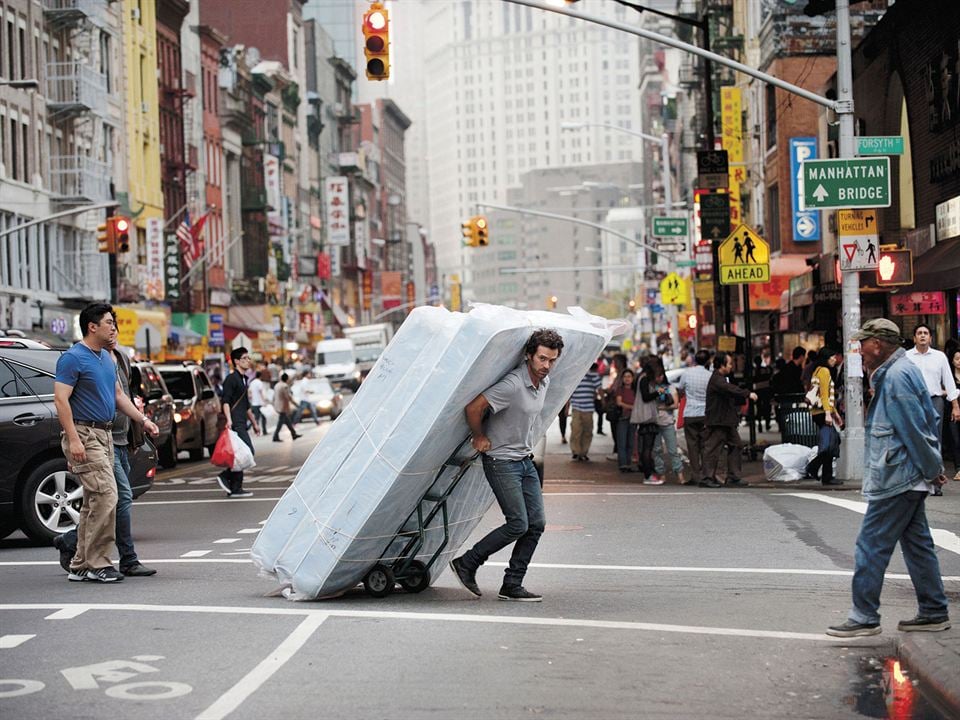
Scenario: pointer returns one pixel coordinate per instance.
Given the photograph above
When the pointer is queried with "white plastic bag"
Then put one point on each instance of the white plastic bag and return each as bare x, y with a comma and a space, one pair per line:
242, 454
269, 413
787, 462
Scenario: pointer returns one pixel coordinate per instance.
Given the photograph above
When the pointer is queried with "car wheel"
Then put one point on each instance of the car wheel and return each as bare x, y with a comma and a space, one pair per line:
197, 453
168, 453
51, 500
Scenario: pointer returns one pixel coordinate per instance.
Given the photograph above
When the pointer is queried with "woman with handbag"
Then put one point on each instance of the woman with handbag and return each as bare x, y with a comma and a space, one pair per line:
626, 433
644, 417
823, 409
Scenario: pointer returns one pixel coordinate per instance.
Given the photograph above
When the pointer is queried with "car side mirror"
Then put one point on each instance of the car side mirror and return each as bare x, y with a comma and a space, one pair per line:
206, 394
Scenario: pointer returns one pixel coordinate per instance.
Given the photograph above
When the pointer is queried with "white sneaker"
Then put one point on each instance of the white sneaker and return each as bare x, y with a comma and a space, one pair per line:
653, 480
613, 456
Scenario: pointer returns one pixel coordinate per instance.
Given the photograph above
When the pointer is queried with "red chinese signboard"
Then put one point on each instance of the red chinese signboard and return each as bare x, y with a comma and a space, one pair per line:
918, 303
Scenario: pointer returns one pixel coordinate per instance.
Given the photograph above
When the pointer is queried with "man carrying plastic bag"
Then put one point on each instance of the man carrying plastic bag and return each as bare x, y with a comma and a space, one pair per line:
236, 410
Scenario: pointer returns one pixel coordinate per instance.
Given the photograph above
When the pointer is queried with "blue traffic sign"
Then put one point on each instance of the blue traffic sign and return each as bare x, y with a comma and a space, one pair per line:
806, 223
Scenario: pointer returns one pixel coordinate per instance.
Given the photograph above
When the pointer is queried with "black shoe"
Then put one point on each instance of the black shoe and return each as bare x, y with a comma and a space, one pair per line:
576, 458
600, 432
584, 458
137, 570
853, 629
691, 481
105, 575
465, 577
241, 494
66, 554
276, 439
518, 593
709, 483
736, 482
924, 624
831, 482
296, 435
223, 484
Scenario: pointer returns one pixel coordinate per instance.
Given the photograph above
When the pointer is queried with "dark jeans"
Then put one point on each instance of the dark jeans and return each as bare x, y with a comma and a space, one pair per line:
897, 519
824, 458
598, 407
646, 438
305, 405
124, 533
516, 485
954, 434
283, 419
258, 415
626, 437
563, 421
695, 433
233, 479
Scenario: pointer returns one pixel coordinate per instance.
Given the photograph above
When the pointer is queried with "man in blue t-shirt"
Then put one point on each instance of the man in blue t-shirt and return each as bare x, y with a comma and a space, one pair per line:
87, 396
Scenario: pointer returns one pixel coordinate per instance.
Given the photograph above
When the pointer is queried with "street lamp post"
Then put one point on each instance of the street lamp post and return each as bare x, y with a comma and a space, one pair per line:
664, 142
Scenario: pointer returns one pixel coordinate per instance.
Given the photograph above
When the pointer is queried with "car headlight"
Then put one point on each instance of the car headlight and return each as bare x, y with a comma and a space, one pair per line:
177, 417
324, 404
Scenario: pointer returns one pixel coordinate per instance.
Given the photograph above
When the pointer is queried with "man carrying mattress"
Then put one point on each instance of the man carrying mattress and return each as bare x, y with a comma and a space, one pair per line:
505, 442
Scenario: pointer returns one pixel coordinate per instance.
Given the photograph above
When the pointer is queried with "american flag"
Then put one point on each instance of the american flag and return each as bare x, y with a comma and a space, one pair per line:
191, 243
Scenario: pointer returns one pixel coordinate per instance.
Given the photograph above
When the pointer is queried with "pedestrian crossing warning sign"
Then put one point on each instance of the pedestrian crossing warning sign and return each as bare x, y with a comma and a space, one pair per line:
744, 258
674, 290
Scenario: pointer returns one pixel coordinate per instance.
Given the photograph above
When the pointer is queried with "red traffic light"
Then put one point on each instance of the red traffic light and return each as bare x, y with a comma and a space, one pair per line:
376, 42
122, 225
377, 19
895, 267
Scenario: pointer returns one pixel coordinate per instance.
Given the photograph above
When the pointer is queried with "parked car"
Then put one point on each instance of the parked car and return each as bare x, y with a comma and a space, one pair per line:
323, 399
196, 407
147, 384
38, 494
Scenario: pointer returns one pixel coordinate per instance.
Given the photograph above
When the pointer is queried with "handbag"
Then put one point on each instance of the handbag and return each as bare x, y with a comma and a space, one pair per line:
828, 441
813, 394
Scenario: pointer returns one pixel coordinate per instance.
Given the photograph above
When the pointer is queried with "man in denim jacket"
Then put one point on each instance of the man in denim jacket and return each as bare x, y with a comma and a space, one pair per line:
902, 467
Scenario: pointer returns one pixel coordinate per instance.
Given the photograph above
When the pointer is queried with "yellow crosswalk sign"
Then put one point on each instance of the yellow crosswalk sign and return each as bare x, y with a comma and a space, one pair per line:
744, 258
674, 290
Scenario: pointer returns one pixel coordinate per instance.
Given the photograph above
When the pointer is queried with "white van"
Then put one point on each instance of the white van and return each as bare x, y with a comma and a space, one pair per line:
337, 361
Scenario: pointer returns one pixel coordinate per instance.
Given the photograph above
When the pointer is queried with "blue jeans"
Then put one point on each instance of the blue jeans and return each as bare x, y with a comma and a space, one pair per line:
668, 433
626, 442
124, 532
899, 518
516, 485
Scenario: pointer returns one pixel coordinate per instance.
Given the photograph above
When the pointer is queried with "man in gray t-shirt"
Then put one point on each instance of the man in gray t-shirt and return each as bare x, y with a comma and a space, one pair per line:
504, 440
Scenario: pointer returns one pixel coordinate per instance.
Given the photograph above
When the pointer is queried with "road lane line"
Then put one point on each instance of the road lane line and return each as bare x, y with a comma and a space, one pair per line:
249, 531
251, 682
945, 539
12, 641
195, 553
226, 541
184, 559
69, 612
322, 615
151, 503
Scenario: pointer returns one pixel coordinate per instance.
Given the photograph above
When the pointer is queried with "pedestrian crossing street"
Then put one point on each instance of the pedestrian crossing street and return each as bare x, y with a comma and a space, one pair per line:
280, 474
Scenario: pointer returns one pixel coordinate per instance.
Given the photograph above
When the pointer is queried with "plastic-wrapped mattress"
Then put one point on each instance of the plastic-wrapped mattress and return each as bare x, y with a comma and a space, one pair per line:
362, 483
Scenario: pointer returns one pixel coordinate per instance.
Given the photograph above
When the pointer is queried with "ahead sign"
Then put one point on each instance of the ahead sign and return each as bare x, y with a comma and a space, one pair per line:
858, 183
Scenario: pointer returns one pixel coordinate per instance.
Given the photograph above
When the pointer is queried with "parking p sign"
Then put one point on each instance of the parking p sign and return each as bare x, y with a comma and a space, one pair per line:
806, 223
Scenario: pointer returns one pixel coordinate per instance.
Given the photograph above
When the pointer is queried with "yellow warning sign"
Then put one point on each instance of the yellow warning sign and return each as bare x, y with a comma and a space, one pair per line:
744, 258
856, 222
674, 290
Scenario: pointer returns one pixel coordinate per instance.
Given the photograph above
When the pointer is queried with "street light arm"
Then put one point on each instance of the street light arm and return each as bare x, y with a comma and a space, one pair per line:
635, 133
678, 18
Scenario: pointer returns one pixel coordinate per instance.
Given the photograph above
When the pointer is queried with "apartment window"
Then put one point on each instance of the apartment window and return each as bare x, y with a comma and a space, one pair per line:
771, 116
14, 153
25, 129
23, 53
12, 51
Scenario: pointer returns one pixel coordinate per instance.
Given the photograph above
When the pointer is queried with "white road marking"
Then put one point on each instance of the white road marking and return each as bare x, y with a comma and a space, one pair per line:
249, 531
226, 541
251, 682
12, 641
184, 559
941, 538
195, 553
68, 612
448, 617
222, 500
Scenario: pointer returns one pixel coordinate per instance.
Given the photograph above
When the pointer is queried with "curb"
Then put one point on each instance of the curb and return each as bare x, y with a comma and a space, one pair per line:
936, 667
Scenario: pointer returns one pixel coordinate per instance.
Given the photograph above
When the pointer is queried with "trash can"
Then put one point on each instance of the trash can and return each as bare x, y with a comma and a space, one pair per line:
796, 423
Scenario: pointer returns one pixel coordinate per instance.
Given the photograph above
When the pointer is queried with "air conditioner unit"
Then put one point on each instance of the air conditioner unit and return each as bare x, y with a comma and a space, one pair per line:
135, 14
144, 107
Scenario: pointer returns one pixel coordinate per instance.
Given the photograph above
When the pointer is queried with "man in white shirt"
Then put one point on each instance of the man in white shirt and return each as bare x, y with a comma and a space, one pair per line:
255, 392
937, 375
301, 402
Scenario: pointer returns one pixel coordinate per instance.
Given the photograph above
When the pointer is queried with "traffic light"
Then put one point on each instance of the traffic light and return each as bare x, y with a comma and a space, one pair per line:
105, 242
482, 230
552, 302
119, 228
632, 306
376, 42
895, 267
469, 237
692, 321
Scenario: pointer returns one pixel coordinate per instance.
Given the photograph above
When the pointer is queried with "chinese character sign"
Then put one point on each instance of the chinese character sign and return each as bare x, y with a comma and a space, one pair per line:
272, 178
918, 303
337, 195
153, 281
171, 266
731, 123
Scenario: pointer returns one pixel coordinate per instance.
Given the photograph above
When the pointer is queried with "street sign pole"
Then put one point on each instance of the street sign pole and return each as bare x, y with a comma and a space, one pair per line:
851, 462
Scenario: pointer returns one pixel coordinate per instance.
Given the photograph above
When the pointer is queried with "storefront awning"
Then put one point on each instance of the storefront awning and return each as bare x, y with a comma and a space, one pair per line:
938, 268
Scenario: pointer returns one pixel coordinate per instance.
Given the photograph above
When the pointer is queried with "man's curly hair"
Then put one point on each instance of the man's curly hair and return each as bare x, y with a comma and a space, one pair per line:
547, 338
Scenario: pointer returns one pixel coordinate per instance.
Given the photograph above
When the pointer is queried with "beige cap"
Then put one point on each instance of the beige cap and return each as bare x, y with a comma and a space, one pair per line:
879, 328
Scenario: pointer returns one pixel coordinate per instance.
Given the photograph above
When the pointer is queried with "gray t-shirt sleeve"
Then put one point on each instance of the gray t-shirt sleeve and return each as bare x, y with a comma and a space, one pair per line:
502, 393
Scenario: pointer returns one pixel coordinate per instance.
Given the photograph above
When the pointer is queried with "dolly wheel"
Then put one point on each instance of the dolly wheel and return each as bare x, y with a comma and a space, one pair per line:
379, 581
417, 578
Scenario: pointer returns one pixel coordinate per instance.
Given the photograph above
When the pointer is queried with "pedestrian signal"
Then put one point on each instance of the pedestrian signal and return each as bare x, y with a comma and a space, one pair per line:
895, 267
376, 42
552, 302
119, 229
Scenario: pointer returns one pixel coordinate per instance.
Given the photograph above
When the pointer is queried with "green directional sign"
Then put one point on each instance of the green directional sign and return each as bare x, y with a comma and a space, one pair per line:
880, 145
857, 183
669, 227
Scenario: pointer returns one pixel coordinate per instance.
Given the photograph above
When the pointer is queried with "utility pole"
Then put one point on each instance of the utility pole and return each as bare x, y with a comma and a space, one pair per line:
851, 449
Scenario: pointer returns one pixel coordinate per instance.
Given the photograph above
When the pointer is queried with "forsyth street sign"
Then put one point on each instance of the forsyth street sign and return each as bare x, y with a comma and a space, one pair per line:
858, 183
880, 145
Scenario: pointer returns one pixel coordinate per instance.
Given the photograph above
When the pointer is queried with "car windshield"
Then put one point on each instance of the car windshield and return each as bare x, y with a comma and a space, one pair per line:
334, 357
318, 386
370, 352
179, 383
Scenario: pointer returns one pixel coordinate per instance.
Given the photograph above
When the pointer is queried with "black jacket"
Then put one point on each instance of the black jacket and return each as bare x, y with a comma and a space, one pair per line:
723, 399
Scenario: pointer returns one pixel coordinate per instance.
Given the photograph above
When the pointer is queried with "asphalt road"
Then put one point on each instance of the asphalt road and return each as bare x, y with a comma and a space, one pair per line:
659, 602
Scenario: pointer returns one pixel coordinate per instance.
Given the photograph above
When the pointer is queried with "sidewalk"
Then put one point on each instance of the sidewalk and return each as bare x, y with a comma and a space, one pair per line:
932, 658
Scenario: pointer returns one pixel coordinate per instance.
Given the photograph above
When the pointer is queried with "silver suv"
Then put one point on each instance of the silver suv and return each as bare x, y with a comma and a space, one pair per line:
197, 407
